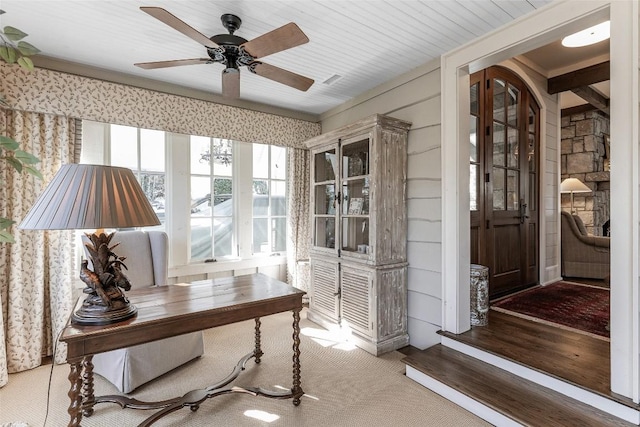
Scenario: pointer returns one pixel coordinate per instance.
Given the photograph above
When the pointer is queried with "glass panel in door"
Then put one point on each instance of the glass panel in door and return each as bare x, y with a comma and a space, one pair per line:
325, 199
355, 234
355, 197
325, 232
355, 158
325, 165
474, 149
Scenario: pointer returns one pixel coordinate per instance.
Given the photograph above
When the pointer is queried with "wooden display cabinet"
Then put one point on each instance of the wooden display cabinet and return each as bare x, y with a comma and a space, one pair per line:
359, 231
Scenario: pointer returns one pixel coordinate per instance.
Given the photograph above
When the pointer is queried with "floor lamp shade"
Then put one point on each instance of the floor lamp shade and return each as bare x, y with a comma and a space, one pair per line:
573, 185
91, 197
95, 197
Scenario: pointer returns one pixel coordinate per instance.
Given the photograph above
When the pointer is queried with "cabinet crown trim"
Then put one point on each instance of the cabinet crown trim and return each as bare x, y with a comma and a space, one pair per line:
357, 127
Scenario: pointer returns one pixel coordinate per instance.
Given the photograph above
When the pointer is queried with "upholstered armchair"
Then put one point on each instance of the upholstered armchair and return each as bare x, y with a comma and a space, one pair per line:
583, 255
147, 262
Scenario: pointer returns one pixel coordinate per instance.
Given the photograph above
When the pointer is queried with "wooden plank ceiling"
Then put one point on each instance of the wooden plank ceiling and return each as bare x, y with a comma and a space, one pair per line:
365, 43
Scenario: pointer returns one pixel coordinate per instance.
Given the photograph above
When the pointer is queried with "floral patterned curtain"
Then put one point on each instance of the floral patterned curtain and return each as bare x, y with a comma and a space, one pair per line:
298, 219
36, 272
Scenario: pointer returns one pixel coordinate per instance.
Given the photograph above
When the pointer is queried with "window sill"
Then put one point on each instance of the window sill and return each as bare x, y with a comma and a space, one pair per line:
225, 265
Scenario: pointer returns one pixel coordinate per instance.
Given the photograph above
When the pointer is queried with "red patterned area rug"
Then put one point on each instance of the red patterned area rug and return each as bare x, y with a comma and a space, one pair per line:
569, 305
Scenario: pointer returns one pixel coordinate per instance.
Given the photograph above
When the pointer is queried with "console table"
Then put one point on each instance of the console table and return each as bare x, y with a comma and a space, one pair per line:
167, 311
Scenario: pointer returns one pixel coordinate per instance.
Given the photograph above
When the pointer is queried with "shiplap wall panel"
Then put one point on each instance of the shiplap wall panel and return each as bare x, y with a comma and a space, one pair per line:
423, 187
415, 98
426, 308
425, 282
425, 256
423, 228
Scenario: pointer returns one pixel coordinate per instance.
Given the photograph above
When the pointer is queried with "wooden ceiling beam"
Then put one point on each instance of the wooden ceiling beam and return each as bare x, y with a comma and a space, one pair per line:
578, 109
593, 97
579, 78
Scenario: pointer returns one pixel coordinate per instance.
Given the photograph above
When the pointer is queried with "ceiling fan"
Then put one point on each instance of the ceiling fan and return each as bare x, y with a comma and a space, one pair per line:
234, 52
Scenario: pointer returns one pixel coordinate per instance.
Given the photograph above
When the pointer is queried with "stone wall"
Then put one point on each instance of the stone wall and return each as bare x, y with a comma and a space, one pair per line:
583, 156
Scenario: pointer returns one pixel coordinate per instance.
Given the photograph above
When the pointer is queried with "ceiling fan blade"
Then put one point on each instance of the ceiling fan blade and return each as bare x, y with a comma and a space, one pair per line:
281, 75
174, 63
177, 24
282, 38
231, 83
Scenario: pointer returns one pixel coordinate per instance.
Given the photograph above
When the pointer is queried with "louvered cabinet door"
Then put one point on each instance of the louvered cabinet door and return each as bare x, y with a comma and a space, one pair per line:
356, 300
324, 299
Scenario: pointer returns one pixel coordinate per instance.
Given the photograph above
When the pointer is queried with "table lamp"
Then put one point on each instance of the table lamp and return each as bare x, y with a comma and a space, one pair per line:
573, 185
95, 197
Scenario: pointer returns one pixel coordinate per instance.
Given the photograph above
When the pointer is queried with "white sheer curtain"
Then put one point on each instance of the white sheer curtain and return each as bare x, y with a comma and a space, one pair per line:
36, 272
298, 230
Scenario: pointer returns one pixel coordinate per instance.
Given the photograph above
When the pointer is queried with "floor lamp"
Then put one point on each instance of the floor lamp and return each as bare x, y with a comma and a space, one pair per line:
573, 185
84, 197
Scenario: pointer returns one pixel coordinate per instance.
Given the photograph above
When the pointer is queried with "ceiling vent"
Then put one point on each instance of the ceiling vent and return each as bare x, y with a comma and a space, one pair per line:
331, 80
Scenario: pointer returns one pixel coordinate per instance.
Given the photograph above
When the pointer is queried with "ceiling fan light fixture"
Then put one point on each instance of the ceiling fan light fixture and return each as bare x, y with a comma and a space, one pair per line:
234, 52
590, 36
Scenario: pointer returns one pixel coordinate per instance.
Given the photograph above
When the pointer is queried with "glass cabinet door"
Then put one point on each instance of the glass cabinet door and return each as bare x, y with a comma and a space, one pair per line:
355, 196
325, 199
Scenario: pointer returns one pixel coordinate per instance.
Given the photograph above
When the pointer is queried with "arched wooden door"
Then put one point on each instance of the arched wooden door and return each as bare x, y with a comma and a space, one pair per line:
504, 179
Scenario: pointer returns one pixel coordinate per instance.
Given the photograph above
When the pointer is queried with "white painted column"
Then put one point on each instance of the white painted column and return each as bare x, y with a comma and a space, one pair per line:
455, 199
625, 378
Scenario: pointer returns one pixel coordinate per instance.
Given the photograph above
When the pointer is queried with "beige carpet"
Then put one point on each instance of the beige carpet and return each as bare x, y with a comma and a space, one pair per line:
344, 386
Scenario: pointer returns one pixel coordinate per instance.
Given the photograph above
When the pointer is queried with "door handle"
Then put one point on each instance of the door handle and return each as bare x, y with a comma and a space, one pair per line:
523, 211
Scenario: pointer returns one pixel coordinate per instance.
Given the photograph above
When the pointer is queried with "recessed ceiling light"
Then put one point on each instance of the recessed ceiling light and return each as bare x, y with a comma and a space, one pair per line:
591, 35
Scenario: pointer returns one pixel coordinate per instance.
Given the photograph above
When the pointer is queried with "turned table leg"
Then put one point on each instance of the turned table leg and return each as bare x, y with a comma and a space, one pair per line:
75, 407
88, 398
258, 350
297, 387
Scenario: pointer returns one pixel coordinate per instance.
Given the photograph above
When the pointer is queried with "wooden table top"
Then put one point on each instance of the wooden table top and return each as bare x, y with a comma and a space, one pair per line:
166, 311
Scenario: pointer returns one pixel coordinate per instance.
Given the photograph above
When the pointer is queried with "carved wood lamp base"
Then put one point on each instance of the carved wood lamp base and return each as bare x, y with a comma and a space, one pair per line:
89, 314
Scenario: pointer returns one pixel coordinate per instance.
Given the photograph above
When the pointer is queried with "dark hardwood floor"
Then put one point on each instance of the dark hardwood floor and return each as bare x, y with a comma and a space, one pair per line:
573, 357
520, 400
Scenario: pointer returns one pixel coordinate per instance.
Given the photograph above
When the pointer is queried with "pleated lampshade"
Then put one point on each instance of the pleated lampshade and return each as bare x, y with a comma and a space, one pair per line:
573, 185
88, 197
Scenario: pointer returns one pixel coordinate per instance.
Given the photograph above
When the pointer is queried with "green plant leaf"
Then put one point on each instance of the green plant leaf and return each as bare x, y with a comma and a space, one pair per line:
33, 171
6, 237
14, 34
6, 223
26, 158
15, 163
26, 63
8, 143
27, 49
8, 54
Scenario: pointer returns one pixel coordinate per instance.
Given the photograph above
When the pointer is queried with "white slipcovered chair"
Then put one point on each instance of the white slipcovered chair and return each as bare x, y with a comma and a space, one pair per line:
128, 368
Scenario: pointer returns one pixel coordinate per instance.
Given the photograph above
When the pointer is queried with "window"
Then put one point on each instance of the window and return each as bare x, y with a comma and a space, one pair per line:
269, 201
211, 161
214, 233
217, 198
